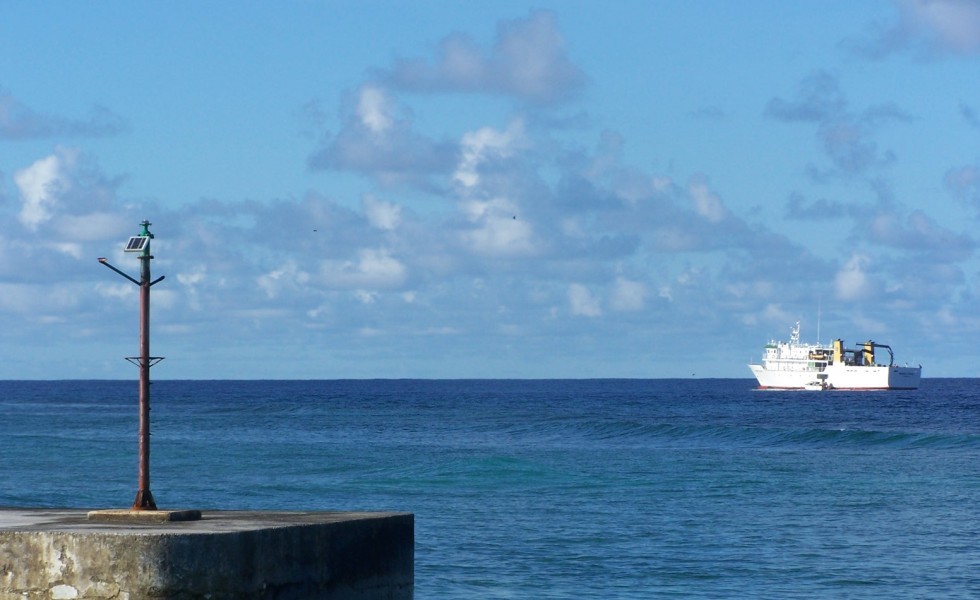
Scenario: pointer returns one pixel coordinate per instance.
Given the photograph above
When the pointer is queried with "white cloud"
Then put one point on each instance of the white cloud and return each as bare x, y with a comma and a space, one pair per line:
582, 301
528, 61
851, 281
501, 236
484, 144
955, 24
69, 248
20, 122
41, 186
68, 195
628, 295
96, 226
116, 291
531, 55
497, 231
289, 276
919, 233
525, 219
964, 183
373, 110
381, 214
374, 269
35, 301
499, 227
779, 316
163, 297
868, 326
193, 277
706, 203
378, 138
928, 26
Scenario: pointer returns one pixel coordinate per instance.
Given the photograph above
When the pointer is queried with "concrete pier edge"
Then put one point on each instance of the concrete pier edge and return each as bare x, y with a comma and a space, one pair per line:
62, 553
143, 516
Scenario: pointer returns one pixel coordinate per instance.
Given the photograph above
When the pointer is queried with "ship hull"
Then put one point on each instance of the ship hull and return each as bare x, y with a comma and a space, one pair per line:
840, 377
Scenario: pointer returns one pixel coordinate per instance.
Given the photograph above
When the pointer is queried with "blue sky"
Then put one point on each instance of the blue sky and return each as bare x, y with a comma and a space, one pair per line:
498, 189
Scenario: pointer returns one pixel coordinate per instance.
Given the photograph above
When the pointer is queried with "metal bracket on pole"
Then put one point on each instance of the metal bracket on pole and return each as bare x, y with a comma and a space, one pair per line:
138, 360
106, 263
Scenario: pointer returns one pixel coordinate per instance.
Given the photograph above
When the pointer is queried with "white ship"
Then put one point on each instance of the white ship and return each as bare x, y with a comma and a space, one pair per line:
793, 365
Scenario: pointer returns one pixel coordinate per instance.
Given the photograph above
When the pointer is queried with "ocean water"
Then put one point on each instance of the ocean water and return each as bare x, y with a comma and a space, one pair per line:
552, 489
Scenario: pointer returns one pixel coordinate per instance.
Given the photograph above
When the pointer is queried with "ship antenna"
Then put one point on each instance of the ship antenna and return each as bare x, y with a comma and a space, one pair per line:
819, 301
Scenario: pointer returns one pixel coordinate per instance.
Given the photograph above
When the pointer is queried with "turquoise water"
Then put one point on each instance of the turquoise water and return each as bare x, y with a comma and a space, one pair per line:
552, 489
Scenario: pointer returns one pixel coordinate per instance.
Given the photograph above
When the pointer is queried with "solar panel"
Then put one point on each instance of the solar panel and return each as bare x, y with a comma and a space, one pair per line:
137, 243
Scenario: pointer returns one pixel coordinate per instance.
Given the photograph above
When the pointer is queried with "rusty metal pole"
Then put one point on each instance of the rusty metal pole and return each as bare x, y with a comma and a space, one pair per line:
144, 498
141, 243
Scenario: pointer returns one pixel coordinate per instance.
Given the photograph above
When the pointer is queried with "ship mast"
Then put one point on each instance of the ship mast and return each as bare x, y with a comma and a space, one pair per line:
819, 302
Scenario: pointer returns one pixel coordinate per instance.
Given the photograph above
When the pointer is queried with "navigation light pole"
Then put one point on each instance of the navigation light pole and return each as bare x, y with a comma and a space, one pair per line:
141, 244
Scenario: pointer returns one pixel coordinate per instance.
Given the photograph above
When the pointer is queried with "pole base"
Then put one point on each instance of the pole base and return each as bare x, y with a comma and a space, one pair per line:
144, 501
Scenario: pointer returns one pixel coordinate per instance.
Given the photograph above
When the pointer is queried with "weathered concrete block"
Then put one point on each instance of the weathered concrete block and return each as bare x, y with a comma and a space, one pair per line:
54, 554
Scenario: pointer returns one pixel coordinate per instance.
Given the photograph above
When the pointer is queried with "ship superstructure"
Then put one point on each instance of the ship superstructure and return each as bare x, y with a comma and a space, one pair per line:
797, 365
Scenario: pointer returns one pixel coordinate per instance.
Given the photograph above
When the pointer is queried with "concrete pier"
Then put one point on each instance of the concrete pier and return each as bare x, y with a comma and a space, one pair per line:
62, 554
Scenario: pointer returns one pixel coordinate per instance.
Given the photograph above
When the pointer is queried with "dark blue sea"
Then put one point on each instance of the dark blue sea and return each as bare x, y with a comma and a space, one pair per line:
552, 489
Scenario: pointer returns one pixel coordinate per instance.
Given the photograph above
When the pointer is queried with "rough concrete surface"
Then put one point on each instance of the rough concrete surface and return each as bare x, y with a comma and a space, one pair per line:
61, 554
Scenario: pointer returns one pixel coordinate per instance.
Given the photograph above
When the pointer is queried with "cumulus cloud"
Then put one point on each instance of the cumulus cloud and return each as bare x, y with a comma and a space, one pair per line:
628, 295
929, 27
821, 209
381, 214
495, 230
65, 190
852, 281
522, 226
582, 302
970, 115
819, 98
32, 299
845, 136
41, 186
528, 61
378, 140
374, 268
964, 183
94, 226
483, 145
849, 146
373, 109
951, 24
287, 277
20, 122
919, 233
706, 203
